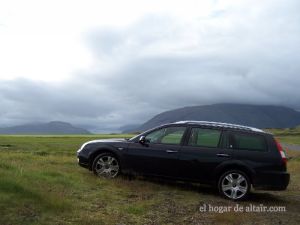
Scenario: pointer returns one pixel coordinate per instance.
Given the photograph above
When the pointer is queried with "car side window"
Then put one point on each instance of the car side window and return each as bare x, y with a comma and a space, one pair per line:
168, 135
250, 142
204, 137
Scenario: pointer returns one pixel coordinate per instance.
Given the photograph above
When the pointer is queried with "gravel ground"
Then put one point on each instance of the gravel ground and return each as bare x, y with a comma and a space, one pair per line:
291, 147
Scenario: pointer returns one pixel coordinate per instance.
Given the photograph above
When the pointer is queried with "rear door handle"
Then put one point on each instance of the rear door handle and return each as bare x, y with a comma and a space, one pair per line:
171, 151
223, 155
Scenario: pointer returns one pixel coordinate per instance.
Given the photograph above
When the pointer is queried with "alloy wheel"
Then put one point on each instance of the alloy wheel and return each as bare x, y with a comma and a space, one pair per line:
107, 166
234, 185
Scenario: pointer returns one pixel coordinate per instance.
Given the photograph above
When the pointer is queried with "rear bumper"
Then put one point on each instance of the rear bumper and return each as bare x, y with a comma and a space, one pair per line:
273, 180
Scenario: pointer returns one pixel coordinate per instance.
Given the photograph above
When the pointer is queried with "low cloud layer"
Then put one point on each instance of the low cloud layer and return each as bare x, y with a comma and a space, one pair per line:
246, 53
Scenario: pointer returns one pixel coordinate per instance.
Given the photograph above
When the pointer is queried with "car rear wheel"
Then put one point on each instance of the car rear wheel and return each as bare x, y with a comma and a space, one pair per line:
106, 165
234, 185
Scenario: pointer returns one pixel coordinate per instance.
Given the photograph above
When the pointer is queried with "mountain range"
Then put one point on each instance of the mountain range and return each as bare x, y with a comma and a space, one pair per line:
54, 127
260, 116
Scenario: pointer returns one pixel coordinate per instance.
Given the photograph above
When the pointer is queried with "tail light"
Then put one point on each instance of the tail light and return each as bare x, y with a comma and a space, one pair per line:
281, 151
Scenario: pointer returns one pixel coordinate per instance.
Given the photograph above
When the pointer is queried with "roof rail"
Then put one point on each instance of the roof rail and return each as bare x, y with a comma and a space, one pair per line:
220, 124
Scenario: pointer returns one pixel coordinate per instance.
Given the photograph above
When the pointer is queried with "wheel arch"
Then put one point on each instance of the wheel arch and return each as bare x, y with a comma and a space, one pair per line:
234, 166
99, 151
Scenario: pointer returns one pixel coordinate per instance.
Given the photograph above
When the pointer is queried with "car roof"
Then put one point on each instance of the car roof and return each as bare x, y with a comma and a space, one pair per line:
220, 125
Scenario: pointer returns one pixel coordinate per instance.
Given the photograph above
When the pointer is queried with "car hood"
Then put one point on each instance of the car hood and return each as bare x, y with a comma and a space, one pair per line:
109, 140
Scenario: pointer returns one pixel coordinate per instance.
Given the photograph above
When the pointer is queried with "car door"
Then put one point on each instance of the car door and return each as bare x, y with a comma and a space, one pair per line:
252, 149
159, 155
204, 149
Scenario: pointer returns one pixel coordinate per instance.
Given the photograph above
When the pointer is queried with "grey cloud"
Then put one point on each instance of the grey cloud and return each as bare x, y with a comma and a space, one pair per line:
248, 54
176, 82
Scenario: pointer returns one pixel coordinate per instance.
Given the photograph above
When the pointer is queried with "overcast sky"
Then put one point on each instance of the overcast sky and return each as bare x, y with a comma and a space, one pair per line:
105, 64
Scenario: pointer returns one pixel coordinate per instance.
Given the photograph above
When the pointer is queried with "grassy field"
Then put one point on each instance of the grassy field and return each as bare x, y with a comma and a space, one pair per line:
289, 136
41, 183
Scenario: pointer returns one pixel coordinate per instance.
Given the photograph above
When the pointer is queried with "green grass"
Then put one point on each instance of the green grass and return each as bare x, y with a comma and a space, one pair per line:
290, 139
41, 183
288, 136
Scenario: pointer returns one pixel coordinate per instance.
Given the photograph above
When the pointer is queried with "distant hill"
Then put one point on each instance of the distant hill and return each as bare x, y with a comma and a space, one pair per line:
54, 127
129, 128
260, 116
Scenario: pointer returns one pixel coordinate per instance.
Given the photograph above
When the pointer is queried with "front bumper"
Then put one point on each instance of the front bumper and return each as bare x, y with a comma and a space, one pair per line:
82, 160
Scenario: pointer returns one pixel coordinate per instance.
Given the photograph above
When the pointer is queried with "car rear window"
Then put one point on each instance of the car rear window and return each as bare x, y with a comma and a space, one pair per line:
250, 142
204, 137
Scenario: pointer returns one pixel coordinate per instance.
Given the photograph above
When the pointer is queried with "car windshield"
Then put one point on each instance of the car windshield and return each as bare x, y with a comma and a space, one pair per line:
141, 134
131, 139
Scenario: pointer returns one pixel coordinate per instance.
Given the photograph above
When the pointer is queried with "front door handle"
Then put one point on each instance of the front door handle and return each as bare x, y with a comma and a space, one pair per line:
223, 155
171, 151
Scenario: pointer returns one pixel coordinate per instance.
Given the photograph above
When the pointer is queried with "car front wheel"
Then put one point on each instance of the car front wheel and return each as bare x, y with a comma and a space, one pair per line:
106, 165
234, 185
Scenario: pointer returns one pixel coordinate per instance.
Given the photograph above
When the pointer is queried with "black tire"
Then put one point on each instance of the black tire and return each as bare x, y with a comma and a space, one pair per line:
234, 185
106, 165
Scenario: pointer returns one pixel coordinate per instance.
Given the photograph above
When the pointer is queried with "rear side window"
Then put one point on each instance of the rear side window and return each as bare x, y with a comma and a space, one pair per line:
250, 142
204, 137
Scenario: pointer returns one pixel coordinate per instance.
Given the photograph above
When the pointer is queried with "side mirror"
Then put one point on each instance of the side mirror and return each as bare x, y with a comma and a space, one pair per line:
143, 140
